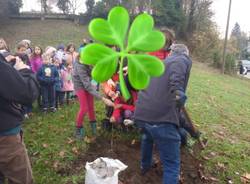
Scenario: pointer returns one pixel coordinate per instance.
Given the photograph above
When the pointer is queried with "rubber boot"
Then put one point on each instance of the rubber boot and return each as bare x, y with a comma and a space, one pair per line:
80, 132
93, 127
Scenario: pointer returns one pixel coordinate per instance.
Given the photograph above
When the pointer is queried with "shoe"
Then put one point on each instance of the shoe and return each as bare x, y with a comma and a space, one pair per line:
26, 116
146, 170
128, 122
79, 133
93, 127
196, 135
52, 109
45, 110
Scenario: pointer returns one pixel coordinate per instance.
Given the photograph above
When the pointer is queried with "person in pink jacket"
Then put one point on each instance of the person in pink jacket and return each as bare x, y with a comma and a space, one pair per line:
66, 75
36, 59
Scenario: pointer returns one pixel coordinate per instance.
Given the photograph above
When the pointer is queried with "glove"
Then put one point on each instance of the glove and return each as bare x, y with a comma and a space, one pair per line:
180, 98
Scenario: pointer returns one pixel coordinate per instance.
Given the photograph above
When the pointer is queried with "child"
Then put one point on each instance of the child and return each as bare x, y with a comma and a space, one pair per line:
71, 54
36, 59
68, 86
47, 76
59, 82
27, 44
85, 93
123, 110
21, 51
4, 49
60, 53
163, 53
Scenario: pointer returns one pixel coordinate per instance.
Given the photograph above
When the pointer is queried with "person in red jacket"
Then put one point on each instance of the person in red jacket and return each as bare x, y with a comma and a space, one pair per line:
165, 51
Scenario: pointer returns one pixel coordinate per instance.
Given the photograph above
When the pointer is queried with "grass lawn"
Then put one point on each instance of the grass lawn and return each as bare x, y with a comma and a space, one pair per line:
219, 104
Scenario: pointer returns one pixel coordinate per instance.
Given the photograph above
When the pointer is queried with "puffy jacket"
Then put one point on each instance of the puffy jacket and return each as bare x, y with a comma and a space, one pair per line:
17, 87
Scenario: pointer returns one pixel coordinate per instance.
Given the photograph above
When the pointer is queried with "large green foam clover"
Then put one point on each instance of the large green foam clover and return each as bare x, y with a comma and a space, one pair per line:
142, 37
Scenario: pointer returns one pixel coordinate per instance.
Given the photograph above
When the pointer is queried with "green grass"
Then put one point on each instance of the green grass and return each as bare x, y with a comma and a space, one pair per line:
219, 104
43, 33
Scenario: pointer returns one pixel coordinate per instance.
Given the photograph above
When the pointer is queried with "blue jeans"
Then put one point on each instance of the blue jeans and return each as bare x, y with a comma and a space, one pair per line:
167, 139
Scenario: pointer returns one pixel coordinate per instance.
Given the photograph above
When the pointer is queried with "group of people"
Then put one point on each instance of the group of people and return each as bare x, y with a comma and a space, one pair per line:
50, 75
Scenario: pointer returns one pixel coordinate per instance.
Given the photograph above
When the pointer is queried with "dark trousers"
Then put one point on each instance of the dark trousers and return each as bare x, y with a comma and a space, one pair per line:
59, 98
1, 178
68, 96
48, 96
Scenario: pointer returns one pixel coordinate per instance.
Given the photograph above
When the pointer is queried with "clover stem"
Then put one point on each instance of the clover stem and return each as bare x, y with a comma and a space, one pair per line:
124, 89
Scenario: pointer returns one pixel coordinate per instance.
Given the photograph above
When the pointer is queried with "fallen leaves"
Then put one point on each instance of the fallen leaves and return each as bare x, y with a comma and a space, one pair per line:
75, 150
70, 141
45, 145
221, 166
55, 165
245, 178
62, 154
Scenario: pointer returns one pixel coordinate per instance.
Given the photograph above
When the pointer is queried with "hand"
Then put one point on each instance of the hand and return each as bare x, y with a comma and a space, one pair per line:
117, 106
112, 119
20, 65
180, 98
10, 58
108, 102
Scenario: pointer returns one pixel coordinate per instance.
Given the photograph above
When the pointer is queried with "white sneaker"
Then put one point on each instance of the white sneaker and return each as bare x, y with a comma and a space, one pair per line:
128, 122
26, 116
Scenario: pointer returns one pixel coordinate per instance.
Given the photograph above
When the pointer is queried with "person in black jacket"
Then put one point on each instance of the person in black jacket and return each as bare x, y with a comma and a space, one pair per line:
18, 87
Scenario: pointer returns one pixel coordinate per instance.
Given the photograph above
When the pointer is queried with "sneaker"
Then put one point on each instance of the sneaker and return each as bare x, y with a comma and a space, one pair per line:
128, 122
52, 109
45, 110
26, 116
79, 133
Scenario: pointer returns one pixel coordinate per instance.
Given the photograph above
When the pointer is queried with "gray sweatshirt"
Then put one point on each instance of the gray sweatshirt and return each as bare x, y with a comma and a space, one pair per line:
157, 104
82, 79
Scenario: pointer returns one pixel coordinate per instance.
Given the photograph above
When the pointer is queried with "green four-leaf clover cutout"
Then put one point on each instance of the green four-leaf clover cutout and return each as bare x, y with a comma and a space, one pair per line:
142, 37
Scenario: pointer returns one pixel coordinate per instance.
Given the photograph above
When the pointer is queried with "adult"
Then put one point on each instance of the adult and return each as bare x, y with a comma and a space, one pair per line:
21, 88
157, 113
163, 53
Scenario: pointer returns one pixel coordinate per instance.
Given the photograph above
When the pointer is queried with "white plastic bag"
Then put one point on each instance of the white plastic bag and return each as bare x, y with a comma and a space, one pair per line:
103, 171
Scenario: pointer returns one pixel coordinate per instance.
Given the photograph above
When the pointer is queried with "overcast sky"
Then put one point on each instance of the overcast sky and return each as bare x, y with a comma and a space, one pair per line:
239, 13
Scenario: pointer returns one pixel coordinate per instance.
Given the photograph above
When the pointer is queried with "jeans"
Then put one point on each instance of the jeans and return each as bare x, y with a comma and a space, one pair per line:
167, 139
48, 96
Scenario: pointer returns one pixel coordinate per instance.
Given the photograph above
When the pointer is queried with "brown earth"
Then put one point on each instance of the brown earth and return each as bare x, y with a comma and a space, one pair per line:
129, 154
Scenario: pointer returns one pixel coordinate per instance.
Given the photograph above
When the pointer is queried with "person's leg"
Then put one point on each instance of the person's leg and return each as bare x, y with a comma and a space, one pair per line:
91, 108
52, 97
81, 94
67, 97
61, 97
184, 138
14, 161
167, 140
91, 112
57, 99
147, 143
1, 178
45, 100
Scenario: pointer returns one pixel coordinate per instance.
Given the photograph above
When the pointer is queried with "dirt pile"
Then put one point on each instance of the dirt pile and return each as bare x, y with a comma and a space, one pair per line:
129, 154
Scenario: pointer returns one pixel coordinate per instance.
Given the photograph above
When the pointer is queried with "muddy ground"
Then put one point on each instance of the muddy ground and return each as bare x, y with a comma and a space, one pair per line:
191, 168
